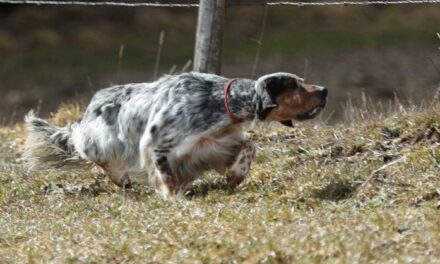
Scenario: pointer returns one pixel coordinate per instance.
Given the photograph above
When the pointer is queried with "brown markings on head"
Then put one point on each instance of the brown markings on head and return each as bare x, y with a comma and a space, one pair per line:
290, 96
292, 102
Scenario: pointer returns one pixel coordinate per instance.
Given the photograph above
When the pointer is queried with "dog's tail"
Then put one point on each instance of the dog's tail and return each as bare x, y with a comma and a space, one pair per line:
48, 145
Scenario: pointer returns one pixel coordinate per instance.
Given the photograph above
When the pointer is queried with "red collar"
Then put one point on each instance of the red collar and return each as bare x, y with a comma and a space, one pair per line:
228, 85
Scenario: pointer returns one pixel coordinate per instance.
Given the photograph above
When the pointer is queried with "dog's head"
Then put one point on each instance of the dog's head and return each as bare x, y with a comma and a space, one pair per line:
284, 97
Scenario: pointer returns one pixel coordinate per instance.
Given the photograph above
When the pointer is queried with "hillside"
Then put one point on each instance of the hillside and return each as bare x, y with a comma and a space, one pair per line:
364, 191
49, 54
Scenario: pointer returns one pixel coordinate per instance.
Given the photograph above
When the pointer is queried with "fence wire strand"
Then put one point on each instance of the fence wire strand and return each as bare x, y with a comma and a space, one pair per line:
84, 3
337, 3
157, 4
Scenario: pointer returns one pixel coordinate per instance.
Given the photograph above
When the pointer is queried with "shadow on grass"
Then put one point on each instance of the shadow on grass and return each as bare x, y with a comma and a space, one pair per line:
336, 191
92, 189
58, 188
202, 189
136, 192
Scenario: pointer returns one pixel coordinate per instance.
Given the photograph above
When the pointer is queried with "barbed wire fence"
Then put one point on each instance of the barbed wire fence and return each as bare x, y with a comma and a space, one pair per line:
192, 5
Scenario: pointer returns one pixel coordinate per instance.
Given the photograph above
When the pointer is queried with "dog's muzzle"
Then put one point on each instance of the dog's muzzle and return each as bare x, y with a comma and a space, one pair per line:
312, 113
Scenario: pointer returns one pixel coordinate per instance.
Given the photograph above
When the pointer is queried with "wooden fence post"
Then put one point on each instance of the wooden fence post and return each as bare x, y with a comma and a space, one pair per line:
209, 36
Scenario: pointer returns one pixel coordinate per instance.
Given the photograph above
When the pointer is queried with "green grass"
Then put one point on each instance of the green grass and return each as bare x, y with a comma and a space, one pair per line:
364, 191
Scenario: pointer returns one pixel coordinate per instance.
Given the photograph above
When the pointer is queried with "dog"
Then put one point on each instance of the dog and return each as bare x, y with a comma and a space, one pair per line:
172, 130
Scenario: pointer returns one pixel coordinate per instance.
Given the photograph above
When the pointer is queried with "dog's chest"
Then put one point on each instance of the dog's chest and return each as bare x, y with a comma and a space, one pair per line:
212, 144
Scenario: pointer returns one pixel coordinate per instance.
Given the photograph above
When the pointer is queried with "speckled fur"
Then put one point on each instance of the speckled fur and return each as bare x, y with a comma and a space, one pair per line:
167, 132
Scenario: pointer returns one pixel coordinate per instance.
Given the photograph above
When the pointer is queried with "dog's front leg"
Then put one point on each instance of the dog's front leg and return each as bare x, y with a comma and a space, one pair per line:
236, 173
166, 181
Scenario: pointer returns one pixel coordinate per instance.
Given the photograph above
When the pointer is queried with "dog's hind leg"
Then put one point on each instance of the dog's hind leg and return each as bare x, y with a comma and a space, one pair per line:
236, 173
118, 177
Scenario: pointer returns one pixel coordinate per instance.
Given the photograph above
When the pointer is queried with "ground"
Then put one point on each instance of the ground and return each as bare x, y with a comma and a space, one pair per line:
367, 190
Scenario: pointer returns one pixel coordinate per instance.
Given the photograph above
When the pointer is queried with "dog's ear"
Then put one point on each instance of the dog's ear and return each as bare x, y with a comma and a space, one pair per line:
264, 105
266, 100
269, 87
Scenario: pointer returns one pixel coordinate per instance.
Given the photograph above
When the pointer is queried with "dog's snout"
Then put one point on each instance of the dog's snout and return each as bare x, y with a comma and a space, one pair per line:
323, 93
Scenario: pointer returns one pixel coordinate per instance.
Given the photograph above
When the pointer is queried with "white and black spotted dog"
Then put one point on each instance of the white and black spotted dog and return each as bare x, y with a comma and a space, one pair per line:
170, 131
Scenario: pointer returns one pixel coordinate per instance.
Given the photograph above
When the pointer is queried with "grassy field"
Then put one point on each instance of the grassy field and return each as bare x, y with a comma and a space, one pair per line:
363, 191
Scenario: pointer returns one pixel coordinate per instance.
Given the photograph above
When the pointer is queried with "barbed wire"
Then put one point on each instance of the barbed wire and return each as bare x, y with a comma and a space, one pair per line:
400, 2
156, 4
84, 3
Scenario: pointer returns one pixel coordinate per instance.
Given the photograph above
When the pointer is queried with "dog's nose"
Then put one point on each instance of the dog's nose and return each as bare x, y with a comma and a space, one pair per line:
323, 93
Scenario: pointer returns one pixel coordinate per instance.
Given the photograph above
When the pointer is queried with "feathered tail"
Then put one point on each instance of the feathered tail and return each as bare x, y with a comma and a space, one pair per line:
48, 145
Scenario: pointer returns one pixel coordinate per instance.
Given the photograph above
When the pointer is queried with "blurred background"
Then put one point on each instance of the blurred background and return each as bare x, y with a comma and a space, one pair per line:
59, 54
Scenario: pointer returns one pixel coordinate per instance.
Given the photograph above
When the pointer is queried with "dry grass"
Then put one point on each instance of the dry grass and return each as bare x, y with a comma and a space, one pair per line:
367, 191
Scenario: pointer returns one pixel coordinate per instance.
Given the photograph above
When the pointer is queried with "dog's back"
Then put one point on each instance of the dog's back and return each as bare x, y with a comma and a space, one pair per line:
117, 118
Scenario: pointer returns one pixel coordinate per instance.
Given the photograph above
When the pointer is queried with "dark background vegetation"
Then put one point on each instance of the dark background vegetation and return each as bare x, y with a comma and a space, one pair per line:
51, 55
